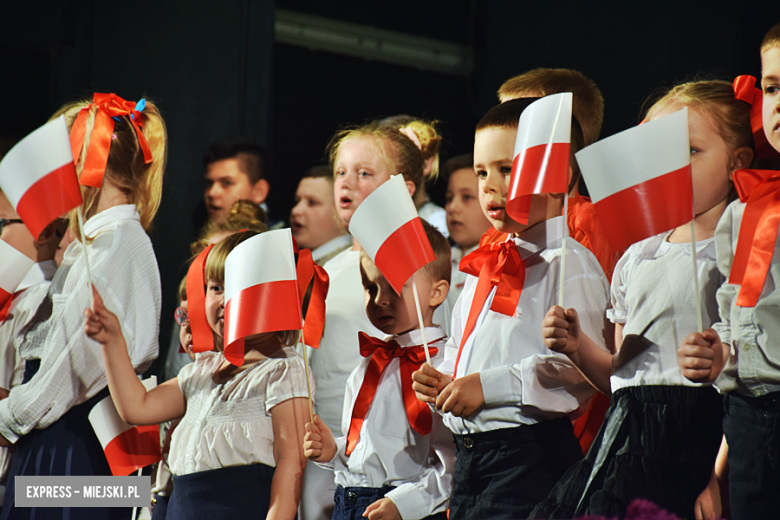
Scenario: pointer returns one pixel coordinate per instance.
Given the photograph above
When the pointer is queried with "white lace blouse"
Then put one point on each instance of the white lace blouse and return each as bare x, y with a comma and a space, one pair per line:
229, 424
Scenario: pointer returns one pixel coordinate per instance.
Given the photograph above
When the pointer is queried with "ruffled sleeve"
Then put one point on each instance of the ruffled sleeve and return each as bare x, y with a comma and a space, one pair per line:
286, 381
619, 310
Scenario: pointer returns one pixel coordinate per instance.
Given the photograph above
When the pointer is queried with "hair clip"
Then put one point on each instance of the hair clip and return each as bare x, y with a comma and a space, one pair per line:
139, 107
113, 137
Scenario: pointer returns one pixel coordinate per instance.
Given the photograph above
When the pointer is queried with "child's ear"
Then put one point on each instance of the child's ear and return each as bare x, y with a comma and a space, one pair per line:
260, 191
741, 158
411, 187
439, 292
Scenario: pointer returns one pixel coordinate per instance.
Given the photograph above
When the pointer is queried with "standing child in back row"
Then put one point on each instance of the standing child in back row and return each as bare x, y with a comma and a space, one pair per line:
395, 458
505, 396
740, 354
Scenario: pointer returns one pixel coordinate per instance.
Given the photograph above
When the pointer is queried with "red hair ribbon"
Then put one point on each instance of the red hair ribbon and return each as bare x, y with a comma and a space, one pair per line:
745, 90
314, 320
382, 353
202, 337
108, 107
497, 265
760, 190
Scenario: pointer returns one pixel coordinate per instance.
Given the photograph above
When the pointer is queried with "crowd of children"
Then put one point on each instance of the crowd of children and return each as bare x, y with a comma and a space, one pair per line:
525, 409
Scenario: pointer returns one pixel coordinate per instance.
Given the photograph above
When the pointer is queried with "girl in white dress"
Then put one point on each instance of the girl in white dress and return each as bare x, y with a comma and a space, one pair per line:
237, 451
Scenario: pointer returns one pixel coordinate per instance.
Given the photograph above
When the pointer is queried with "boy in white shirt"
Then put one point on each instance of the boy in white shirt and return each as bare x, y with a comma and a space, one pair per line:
507, 398
396, 457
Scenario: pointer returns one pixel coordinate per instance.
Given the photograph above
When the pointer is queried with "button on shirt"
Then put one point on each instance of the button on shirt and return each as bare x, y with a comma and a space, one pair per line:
752, 332
124, 271
389, 452
524, 382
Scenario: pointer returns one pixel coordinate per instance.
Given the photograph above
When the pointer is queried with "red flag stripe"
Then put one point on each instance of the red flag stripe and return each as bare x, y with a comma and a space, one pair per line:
631, 215
49, 197
133, 449
411, 240
534, 163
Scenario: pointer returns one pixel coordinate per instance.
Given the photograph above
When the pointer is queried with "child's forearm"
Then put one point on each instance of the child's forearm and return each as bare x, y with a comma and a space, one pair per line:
594, 363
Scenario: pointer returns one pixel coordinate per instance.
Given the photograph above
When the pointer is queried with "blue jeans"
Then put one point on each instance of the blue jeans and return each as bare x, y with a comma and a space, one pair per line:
752, 428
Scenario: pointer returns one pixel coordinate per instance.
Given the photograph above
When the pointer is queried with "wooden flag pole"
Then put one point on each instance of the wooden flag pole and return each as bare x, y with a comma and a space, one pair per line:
308, 383
564, 234
420, 319
697, 295
86, 260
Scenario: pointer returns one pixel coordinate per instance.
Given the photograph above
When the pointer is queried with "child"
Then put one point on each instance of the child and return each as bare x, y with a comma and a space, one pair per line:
237, 451
739, 353
505, 396
313, 218
46, 417
465, 220
384, 467
662, 433
362, 159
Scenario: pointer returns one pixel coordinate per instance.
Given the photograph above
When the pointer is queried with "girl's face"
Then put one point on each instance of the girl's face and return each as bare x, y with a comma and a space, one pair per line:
185, 334
711, 159
360, 168
465, 220
215, 306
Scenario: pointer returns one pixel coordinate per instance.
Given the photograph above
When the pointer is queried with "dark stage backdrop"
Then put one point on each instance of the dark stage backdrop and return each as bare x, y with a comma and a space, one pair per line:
216, 72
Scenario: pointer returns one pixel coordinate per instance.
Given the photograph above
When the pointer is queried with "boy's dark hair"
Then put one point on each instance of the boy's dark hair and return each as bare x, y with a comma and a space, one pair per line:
251, 157
507, 115
441, 268
456, 163
321, 170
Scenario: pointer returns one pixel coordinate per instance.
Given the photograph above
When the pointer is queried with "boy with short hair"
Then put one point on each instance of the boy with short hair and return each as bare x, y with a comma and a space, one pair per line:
395, 459
740, 354
506, 397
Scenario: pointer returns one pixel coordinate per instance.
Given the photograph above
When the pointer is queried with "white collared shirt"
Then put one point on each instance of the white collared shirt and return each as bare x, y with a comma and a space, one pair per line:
524, 382
124, 271
389, 452
458, 276
331, 248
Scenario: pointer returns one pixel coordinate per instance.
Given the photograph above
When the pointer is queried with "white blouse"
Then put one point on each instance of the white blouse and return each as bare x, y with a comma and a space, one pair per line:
653, 296
229, 424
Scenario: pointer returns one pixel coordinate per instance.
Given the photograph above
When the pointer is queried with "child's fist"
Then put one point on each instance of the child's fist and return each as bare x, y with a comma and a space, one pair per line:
319, 444
101, 324
561, 330
463, 397
428, 382
702, 356
382, 509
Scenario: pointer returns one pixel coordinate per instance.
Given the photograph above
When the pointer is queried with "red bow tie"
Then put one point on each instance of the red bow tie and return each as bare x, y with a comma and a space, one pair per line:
381, 354
497, 265
5, 305
760, 191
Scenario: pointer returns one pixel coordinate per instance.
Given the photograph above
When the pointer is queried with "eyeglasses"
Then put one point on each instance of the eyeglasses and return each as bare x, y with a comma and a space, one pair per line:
181, 316
5, 221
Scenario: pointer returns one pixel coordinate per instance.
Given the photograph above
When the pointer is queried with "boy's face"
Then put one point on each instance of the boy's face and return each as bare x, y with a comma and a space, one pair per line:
493, 154
387, 311
312, 219
225, 184
770, 85
16, 234
215, 306
185, 334
465, 220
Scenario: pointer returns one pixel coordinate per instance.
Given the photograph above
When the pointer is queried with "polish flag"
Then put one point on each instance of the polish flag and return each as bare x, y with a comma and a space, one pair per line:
640, 179
541, 163
14, 265
128, 448
387, 226
39, 178
261, 290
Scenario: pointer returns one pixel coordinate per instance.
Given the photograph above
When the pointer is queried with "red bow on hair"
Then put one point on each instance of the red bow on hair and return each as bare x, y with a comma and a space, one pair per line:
760, 190
202, 337
108, 107
382, 353
314, 320
744, 89
497, 265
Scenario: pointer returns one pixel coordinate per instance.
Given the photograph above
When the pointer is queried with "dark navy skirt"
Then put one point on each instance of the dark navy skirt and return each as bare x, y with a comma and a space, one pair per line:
236, 492
67, 447
657, 443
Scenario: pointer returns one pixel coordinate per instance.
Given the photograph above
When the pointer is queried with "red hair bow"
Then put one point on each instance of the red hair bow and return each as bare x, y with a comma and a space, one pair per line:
308, 270
745, 90
108, 107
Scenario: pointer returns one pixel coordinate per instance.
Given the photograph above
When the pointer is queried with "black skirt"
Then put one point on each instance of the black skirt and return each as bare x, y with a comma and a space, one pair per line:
235, 492
657, 443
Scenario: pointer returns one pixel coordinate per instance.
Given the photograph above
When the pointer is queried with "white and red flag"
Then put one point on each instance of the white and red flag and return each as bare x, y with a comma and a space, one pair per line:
387, 226
39, 178
14, 265
541, 161
261, 290
640, 179
128, 448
